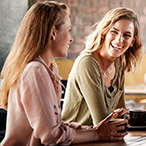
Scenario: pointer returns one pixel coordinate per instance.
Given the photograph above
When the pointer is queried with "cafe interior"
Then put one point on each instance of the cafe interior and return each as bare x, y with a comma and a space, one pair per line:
84, 13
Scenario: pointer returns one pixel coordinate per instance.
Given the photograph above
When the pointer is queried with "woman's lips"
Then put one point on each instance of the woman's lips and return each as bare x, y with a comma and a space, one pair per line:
115, 47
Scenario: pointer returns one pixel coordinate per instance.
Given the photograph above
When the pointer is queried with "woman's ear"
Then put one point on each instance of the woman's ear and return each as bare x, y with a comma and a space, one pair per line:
131, 45
53, 33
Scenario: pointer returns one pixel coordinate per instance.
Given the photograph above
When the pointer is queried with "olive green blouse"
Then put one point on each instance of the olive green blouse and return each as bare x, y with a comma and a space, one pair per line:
87, 99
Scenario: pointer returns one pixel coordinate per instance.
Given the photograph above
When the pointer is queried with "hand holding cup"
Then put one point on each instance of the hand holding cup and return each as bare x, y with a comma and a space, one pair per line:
118, 121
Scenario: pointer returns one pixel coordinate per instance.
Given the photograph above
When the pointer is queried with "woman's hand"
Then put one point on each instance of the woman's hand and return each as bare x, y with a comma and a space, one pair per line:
108, 131
123, 113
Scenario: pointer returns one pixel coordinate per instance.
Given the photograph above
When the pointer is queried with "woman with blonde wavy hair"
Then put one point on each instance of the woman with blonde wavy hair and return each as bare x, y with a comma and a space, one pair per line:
96, 82
31, 87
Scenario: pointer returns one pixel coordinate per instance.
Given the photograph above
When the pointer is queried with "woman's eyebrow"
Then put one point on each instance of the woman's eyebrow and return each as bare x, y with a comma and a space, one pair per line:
118, 30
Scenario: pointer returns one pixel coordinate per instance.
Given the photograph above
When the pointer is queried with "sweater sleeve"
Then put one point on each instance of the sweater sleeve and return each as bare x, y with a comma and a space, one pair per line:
92, 88
39, 101
121, 102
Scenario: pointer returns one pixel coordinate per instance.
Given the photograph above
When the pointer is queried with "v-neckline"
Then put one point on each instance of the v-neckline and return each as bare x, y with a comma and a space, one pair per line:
113, 80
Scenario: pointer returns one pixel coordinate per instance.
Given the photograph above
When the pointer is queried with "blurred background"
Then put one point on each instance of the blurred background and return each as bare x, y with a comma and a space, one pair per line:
84, 13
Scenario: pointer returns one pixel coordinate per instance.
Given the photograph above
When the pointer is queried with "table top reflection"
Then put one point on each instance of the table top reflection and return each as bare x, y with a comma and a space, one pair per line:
133, 138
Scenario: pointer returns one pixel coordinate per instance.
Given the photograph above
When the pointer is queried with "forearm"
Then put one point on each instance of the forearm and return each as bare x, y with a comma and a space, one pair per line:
83, 136
103, 131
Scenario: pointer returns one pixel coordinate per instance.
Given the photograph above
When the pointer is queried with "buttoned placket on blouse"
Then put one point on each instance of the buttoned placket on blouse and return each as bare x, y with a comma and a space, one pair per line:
54, 77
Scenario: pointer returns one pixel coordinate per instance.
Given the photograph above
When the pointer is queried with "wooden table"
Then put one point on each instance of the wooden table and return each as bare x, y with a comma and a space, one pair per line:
134, 138
135, 90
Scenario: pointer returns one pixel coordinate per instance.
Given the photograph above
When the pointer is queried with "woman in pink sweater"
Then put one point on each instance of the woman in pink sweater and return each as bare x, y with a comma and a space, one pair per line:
31, 87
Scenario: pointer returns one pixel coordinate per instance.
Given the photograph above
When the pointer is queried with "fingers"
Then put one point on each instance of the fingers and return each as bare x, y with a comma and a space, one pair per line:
115, 134
118, 134
115, 115
109, 117
118, 122
122, 112
118, 112
117, 128
109, 131
122, 128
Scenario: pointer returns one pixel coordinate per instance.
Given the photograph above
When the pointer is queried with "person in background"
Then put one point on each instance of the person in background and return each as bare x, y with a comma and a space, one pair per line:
95, 84
31, 86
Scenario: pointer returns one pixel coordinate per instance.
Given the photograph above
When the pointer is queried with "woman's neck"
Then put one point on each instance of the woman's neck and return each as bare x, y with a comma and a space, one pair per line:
47, 57
107, 67
104, 62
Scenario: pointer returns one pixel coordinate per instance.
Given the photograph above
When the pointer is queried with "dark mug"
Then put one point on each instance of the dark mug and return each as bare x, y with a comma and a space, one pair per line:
138, 117
118, 120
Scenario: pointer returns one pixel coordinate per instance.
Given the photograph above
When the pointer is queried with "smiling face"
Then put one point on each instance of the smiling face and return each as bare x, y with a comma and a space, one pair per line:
119, 38
61, 39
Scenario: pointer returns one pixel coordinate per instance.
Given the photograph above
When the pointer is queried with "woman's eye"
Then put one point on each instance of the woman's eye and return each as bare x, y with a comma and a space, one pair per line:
114, 32
127, 35
70, 30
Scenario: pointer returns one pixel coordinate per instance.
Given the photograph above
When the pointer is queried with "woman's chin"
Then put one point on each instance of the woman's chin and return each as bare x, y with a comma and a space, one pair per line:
63, 55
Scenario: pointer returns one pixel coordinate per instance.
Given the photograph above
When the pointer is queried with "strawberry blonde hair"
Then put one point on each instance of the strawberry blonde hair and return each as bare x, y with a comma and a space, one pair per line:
95, 40
31, 39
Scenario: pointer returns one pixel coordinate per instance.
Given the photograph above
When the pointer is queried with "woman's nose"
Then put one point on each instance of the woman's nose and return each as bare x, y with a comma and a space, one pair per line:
119, 39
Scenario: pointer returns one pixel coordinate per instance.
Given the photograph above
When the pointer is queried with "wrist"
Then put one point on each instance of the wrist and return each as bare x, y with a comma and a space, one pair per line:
87, 127
96, 135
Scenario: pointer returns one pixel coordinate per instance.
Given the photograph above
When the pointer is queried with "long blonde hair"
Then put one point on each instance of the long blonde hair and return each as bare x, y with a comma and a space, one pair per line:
31, 39
96, 39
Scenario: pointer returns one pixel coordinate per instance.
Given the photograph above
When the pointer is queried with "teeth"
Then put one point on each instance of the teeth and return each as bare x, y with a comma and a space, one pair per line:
116, 47
68, 46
